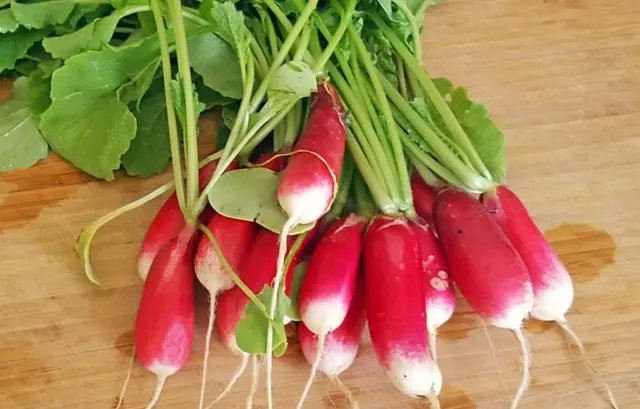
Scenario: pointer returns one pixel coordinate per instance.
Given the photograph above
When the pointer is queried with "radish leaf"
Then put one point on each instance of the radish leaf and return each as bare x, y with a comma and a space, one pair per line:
251, 332
21, 144
150, 151
8, 23
14, 46
42, 14
217, 63
93, 36
251, 194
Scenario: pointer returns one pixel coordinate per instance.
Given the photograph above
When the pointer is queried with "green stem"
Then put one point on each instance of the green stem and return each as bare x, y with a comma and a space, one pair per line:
171, 116
415, 32
418, 156
346, 179
364, 203
345, 23
191, 137
436, 98
283, 52
294, 120
402, 78
302, 45
383, 104
467, 175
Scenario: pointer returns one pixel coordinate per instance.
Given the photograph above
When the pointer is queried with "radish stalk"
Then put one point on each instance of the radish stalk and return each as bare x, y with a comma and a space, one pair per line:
486, 268
552, 285
127, 378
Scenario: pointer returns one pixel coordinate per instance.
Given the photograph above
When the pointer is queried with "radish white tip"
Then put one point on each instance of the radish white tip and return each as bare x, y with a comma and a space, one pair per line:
415, 376
126, 379
515, 313
526, 365
353, 403
576, 340
232, 381
313, 200
324, 316
255, 377
160, 380
554, 299
314, 368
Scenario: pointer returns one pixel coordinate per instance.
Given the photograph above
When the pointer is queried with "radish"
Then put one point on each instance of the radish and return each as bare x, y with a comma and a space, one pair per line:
256, 270
424, 196
439, 294
490, 274
340, 346
396, 308
309, 182
552, 285
234, 238
329, 283
168, 222
165, 320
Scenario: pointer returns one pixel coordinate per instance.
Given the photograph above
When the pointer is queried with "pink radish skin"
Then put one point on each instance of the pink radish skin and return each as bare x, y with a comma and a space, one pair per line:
396, 310
423, 197
552, 285
168, 223
329, 283
340, 345
165, 320
440, 297
486, 268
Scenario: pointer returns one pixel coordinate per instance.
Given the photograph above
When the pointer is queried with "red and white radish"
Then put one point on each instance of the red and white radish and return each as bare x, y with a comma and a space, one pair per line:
552, 285
396, 309
234, 238
340, 346
485, 266
423, 197
165, 320
168, 223
329, 283
309, 182
440, 297
257, 269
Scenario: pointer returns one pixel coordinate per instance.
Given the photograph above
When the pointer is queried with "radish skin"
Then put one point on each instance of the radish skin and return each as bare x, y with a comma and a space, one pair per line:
340, 347
330, 282
486, 268
552, 285
396, 309
423, 197
165, 320
309, 183
169, 222
440, 297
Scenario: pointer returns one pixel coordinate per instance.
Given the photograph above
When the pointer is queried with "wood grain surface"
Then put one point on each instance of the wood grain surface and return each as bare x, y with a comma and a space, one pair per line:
561, 77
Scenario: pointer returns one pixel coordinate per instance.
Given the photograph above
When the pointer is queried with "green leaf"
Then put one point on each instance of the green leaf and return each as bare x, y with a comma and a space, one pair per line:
294, 79
217, 63
21, 144
251, 194
42, 14
92, 130
150, 150
39, 91
209, 97
228, 23
222, 136
87, 123
8, 23
251, 332
296, 283
14, 46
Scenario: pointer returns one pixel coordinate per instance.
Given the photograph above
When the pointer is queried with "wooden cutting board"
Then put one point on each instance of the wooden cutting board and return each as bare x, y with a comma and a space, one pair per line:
562, 78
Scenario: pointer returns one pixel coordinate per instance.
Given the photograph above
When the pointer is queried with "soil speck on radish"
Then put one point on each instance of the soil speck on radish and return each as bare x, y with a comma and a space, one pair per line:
584, 250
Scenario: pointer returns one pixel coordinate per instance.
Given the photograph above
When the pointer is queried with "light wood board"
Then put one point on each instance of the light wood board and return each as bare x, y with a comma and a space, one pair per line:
561, 77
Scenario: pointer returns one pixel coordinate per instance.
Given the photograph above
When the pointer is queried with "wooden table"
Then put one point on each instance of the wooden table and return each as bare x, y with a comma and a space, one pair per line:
562, 78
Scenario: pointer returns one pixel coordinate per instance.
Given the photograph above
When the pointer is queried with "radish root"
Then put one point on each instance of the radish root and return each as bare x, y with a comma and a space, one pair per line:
255, 377
314, 368
494, 356
434, 402
156, 394
207, 343
288, 226
433, 338
232, 381
526, 365
353, 403
126, 379
574, 338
